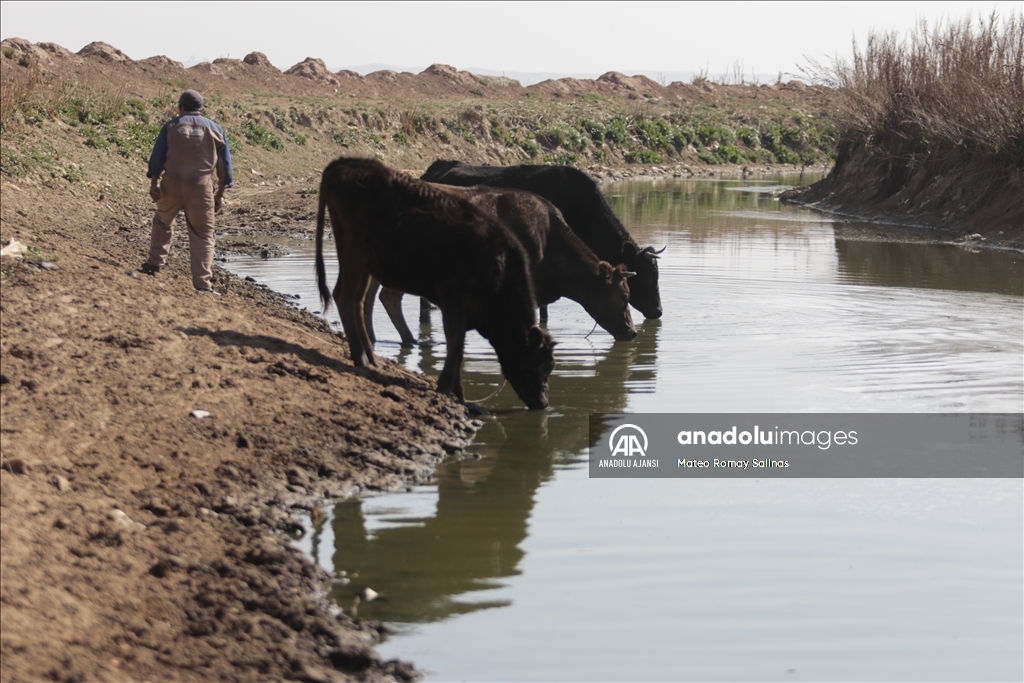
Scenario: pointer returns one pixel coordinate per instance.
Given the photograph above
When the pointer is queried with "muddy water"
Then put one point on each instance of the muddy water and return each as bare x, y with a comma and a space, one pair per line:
518, 566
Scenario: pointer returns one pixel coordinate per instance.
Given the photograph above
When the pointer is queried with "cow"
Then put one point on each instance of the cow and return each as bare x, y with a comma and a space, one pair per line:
585, 209
561, 264
413, 238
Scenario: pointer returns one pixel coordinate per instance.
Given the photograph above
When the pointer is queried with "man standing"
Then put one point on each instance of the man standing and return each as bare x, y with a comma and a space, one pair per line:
189, 149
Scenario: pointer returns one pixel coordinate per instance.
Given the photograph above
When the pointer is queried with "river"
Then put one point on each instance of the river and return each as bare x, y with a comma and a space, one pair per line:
517, 566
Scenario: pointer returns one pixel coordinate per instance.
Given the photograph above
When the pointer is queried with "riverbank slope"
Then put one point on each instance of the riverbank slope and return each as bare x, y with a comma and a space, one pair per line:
139, 540
972, 200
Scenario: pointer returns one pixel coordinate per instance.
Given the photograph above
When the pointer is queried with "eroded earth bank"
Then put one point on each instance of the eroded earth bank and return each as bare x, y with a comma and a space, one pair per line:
140, 542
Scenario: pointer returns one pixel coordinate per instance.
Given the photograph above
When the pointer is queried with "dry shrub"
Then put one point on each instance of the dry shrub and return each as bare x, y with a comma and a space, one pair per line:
18, 85
958, 86
38, 96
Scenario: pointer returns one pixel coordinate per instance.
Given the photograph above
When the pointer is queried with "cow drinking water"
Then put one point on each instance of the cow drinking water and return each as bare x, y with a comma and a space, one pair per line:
585, 209
415, 239
561, 265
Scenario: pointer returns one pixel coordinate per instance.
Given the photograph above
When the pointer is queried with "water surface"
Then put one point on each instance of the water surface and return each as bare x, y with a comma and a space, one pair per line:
517, 566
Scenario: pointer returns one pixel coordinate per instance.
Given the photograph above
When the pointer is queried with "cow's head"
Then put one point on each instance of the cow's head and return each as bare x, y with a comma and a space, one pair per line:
527, 361
607, 301
644, 294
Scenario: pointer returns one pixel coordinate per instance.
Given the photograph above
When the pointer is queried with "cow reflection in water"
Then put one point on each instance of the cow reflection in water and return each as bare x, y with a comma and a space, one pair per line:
427, 570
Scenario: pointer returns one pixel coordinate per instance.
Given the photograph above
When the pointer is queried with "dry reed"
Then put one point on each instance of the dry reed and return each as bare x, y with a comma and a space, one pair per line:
956, 87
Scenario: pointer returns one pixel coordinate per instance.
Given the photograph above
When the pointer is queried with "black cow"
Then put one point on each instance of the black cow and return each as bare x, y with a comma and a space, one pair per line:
585, 209
561, 264
416, 239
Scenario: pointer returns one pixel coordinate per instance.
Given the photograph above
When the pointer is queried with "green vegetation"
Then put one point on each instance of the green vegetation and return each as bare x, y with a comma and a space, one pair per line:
261, 136
643, 156
19, 161
345, 138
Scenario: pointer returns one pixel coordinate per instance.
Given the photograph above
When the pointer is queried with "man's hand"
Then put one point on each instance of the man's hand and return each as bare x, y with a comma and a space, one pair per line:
218, 201
154, 191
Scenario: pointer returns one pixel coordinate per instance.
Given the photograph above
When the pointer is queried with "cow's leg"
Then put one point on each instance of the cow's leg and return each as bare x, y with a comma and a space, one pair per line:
349, 296
543, 313
424, 310
371, 297
392, 301
454, 317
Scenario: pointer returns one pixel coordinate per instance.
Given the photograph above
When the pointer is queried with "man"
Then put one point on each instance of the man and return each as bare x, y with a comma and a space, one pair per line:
188, 151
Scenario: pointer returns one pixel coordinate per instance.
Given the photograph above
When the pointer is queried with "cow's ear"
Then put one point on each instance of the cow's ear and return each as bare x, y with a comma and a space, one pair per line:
537, 338
606, 271
629, 249
534, 337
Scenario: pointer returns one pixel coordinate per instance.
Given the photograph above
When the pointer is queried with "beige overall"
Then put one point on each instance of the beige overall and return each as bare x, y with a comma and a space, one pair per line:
188, 185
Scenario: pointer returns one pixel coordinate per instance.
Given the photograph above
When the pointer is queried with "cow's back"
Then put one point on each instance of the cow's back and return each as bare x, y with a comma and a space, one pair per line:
406, 229
572, 191
424, 240
583, 207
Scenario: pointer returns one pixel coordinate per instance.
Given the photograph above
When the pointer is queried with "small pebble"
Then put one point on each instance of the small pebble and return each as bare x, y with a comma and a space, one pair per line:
17, 466
368, 594
124, 521
160, 569
62, 484
200, 414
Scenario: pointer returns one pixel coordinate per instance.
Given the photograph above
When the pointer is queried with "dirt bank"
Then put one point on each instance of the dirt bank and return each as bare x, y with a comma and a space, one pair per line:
142, 543
974, 200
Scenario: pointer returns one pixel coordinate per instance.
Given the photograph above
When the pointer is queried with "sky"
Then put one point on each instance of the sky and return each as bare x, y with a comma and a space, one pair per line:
551, 38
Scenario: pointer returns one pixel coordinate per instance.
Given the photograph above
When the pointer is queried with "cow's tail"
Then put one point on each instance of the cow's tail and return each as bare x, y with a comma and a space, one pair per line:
321, 273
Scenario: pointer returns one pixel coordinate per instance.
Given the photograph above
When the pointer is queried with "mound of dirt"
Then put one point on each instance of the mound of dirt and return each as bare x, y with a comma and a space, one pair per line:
498, 81
107, 53
23, 47
345, 74
563, 86
162, 62
207, 68
259, 59
634, 83
228, 65
60, 52
452, 76
314, 69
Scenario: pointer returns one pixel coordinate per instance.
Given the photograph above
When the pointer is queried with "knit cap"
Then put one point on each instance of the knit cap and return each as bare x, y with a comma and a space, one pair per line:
190, 100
